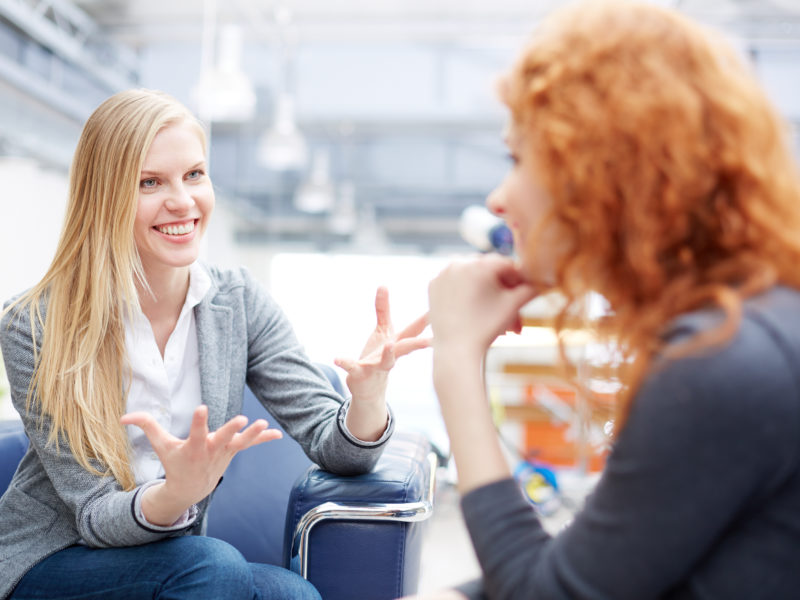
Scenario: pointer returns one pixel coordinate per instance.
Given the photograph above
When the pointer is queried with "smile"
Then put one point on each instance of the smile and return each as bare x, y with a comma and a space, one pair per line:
182, 229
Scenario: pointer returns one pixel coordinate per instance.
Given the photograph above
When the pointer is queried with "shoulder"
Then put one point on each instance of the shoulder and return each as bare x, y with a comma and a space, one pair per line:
765, 346
16, 316
228, 280
745, 392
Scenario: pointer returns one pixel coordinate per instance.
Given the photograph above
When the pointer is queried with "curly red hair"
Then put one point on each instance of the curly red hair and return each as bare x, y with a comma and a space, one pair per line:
669, 170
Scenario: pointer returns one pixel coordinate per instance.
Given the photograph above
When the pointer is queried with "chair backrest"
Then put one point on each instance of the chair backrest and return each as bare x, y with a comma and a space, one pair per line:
249, 506
13, 444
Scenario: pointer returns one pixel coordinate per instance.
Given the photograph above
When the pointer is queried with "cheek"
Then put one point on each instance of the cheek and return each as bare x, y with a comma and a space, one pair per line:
146, 211
139, 221
206, 200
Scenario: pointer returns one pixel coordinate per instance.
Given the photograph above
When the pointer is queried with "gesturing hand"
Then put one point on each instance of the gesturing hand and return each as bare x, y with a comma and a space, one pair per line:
193, 466
366, 377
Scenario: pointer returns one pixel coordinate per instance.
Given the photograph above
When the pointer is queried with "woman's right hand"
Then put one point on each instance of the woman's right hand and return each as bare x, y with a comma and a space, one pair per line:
474, 301
193, 466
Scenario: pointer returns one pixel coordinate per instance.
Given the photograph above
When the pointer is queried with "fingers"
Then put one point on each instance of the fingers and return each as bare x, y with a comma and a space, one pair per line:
257, 433
356, 368
154, 432
198, 432
382, 308
415, 328
222, 436
522, 294
508, 273
515, 325
408, 346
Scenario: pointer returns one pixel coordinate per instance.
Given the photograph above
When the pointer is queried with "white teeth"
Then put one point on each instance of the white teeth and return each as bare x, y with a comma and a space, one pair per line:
177, 229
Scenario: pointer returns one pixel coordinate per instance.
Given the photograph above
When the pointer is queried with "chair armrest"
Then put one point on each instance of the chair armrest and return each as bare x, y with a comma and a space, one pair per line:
361, 537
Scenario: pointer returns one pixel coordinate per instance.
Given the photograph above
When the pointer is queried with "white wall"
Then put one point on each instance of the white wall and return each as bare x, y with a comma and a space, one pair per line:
31, 213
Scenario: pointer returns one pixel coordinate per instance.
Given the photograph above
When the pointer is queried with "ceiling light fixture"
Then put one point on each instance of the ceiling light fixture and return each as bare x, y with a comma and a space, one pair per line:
223, 93
283, 147
316, 195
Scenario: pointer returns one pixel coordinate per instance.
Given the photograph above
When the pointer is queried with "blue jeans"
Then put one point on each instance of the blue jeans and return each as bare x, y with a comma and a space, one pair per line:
193, 567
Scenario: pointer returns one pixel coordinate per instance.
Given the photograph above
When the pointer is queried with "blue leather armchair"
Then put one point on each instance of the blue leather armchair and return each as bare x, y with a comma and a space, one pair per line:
353, 537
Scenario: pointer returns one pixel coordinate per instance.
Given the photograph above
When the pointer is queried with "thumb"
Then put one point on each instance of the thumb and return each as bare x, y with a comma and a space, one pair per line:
348, 364
387, 356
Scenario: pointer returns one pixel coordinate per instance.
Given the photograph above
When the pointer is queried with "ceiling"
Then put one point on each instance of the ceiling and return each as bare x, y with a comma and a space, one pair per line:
139, 22
397, 94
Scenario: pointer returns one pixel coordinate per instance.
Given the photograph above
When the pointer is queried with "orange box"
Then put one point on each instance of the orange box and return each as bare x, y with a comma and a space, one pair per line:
547, 440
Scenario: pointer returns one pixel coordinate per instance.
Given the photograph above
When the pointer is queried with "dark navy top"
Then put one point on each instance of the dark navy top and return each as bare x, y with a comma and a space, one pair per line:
700, 497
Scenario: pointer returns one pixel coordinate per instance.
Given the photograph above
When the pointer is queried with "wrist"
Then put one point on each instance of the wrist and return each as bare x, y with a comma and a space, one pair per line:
367, 420
456, 361
160, 506
459, 349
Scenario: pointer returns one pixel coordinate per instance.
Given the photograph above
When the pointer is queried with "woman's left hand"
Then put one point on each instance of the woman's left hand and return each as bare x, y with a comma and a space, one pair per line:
367, 376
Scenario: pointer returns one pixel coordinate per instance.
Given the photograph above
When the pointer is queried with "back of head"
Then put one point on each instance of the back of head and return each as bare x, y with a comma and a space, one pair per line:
669, 171
667, 164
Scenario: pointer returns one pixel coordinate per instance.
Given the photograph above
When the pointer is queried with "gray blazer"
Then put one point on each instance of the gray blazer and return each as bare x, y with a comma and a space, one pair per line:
243, 338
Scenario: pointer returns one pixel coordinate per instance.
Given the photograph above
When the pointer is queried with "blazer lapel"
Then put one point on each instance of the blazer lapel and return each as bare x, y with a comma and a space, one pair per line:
214, 325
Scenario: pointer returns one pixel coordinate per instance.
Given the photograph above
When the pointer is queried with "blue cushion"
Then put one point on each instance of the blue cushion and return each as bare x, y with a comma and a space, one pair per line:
13, 444
259, 477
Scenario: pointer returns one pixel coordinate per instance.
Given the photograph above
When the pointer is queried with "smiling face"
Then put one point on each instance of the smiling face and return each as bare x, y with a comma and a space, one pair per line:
175, 200
525, 206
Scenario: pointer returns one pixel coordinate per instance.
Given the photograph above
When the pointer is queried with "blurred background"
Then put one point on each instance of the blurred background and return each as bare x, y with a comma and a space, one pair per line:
351, 143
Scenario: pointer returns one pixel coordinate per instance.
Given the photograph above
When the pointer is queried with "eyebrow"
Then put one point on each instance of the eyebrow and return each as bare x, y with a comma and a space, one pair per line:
149, 173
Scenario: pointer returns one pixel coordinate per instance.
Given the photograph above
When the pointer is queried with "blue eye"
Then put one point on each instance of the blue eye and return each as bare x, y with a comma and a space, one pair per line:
148, 183
196, 174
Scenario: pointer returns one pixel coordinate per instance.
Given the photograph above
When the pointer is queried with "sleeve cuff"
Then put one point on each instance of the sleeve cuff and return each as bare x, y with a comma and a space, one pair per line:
341, 421
185, 520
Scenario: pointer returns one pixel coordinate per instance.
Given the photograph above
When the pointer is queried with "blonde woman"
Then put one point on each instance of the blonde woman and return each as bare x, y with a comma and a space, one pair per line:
128, 363
647, 166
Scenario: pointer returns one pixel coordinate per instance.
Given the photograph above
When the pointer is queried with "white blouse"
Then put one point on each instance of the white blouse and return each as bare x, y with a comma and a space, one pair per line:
168, 388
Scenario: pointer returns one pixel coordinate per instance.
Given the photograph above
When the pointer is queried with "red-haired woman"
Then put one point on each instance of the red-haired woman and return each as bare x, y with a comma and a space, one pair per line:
648, 166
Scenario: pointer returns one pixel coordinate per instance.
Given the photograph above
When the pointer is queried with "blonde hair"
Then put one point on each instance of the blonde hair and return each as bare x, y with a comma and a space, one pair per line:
80, 366
670, 172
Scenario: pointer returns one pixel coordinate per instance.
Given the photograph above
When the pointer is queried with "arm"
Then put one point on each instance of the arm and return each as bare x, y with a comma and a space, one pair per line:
104, 514
471, 303
296, 393
682, 473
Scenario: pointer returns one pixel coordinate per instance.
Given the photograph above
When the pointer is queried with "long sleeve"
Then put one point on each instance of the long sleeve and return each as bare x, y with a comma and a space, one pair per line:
102, 514
696, 498
295, 392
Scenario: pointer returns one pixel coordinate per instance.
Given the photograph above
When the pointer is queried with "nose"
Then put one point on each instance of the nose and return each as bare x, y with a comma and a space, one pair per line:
180, 200
495, 201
